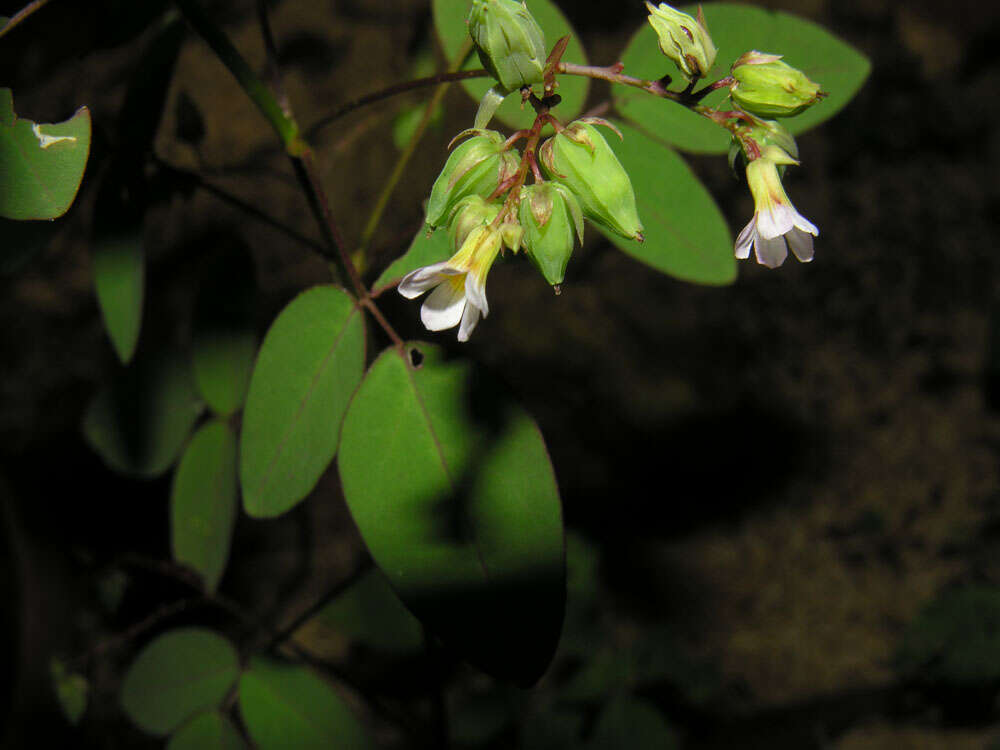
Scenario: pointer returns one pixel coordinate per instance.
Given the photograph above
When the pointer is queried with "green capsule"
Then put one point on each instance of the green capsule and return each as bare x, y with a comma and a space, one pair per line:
510, 42
764, 85
476, 167
470, 212
684, 39
579, 158
550, 216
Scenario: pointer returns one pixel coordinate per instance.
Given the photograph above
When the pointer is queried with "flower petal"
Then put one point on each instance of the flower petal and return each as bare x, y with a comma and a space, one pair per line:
801, 244
470, 318
745, 240
804, 224
775, 220
476, 293
445, 305
771, 252
420, 280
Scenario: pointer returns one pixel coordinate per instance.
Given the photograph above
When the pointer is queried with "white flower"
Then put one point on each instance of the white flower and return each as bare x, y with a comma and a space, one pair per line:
459, 295
775, 225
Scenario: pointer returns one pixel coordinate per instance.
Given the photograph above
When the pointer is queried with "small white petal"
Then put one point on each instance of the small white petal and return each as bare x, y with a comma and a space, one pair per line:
443, 308
775, 221
801, 244
771, 252
420, 280
469, 320
805, 225
745, 240
476, 294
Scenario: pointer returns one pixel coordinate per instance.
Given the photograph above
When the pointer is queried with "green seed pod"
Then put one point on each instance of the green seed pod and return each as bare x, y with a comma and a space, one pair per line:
550, 215
510, 42
579, 158
766, 86
476, 167
683, 39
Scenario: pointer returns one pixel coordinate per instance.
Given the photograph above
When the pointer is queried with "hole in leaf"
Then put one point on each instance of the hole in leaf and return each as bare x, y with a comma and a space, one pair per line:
416, 357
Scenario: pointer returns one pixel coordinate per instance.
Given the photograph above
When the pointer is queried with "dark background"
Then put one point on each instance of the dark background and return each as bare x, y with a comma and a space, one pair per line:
781, 473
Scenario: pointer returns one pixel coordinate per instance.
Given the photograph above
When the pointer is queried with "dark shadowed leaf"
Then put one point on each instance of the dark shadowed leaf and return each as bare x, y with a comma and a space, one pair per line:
423, 251
119, 263
835, 65
41, 165
207, 731
686, 235
451, 487
224, 341
203, 502
453, 32
310, 363
370, 613
289, 706
181, 673
71, 691
632, 723
138, 423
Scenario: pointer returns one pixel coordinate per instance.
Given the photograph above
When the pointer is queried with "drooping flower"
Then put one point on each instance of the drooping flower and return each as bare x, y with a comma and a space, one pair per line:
459, 283
776, 225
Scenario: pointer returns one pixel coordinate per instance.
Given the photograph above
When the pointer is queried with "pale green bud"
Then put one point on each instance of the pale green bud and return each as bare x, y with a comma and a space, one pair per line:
476, 167
550, 216
764, 85
470, 212
510, 42
579, 158
683, 39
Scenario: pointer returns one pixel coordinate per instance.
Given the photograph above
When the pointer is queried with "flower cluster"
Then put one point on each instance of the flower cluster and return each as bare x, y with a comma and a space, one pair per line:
484, 198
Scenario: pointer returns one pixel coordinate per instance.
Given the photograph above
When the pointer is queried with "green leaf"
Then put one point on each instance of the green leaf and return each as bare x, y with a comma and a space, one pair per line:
138, 423
225, 342
203, 502
179, 674
632, 723
451, 488
835, 65
686, 235
450, 21
207, 731
71, 689
310, 363
41, 165
369, 612
22, 240
423, 251
119, 264
285, 706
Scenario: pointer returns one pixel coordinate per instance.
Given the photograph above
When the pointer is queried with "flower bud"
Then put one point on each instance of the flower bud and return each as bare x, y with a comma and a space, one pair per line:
683, 39
579, 158
766, 86
469, 213
550, 216
510, 42
476, 167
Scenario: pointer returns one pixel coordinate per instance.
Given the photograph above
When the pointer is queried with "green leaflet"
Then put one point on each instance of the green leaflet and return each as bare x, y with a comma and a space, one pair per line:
451, 487
41, 165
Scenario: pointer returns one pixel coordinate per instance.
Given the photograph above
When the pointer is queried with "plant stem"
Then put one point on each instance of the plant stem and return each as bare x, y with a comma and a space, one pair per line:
404, 158
22, 14
399, 88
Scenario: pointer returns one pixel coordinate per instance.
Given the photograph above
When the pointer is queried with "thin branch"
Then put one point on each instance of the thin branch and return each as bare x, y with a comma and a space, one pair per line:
22, 14
196, 180
289, 630
386, 93
404, 159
